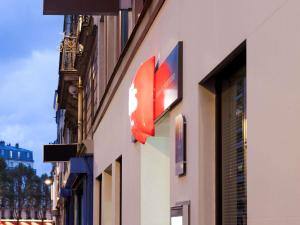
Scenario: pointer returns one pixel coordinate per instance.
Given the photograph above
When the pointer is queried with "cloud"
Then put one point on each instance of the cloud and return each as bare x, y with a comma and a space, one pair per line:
23, 28
26, 99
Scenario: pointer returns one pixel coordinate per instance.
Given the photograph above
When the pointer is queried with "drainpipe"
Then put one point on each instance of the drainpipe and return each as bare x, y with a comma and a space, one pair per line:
80, 103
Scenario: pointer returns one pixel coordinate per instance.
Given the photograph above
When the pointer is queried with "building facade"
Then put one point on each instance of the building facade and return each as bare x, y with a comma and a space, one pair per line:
14, 155
72, 188
209, 132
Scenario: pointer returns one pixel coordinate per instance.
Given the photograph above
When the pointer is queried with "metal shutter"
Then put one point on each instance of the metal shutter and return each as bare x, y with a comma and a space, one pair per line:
233, 147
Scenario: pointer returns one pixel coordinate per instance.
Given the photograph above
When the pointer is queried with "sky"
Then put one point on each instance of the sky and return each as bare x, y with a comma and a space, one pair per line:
29, 74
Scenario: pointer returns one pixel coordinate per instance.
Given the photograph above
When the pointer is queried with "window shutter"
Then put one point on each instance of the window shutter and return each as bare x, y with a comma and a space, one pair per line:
233, 148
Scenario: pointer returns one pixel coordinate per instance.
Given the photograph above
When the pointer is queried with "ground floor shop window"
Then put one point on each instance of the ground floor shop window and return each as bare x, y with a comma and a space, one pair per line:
78, 206
231, 139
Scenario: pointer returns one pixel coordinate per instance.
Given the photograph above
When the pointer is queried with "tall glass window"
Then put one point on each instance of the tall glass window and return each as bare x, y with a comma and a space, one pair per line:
232, 125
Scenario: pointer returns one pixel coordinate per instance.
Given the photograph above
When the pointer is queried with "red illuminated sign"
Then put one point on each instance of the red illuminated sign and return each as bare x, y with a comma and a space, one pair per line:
154, 92
141, 108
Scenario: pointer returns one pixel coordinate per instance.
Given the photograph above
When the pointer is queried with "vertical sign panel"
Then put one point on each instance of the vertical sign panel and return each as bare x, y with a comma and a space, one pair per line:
168, 81
180, 145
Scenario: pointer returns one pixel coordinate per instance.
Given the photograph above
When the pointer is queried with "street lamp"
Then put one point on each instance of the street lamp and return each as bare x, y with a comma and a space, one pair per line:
48, 181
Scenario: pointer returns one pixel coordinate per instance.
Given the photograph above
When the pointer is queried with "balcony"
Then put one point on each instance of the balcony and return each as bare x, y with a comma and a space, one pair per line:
68, 50
68, 75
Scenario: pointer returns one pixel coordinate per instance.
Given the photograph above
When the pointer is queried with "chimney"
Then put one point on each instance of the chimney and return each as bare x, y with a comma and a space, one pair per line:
17, 145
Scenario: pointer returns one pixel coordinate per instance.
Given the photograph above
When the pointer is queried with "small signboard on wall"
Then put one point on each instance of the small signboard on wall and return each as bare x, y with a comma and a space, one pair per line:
180, 139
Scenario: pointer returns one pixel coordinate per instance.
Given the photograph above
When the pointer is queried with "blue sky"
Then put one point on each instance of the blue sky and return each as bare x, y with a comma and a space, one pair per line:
29, 72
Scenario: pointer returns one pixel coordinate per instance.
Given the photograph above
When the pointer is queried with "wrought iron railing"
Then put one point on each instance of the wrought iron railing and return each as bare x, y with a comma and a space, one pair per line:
68, 53
70, 46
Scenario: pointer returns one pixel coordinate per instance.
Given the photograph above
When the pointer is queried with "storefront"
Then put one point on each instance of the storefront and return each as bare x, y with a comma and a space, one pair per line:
235, 92
78, 191
196, 117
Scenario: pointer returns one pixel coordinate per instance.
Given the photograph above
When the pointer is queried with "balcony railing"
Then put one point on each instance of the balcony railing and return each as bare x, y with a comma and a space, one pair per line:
68, 54
70, 46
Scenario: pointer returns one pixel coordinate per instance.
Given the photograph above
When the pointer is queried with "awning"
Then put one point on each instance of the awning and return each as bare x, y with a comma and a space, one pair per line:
81, 7
79, 166
25, 222
59, 152
65, 192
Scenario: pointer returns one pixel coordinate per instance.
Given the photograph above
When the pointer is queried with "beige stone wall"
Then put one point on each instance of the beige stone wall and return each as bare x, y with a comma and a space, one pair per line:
273, 119
210, 30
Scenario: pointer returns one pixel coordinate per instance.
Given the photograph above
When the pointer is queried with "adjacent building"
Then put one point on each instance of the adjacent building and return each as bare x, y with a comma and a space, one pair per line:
15, 155
177, 112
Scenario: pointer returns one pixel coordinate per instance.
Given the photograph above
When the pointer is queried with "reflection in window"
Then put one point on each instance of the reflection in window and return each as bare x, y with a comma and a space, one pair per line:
233, 146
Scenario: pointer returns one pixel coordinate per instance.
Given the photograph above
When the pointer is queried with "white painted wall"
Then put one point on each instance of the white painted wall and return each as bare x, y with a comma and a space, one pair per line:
210, 30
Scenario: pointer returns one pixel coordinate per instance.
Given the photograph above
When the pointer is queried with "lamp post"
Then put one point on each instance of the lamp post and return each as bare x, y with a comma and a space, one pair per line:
48, 182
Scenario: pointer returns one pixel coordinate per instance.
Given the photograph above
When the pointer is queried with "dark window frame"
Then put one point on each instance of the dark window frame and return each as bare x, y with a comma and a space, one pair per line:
213, 83
235, 60
99, 179
120, 161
